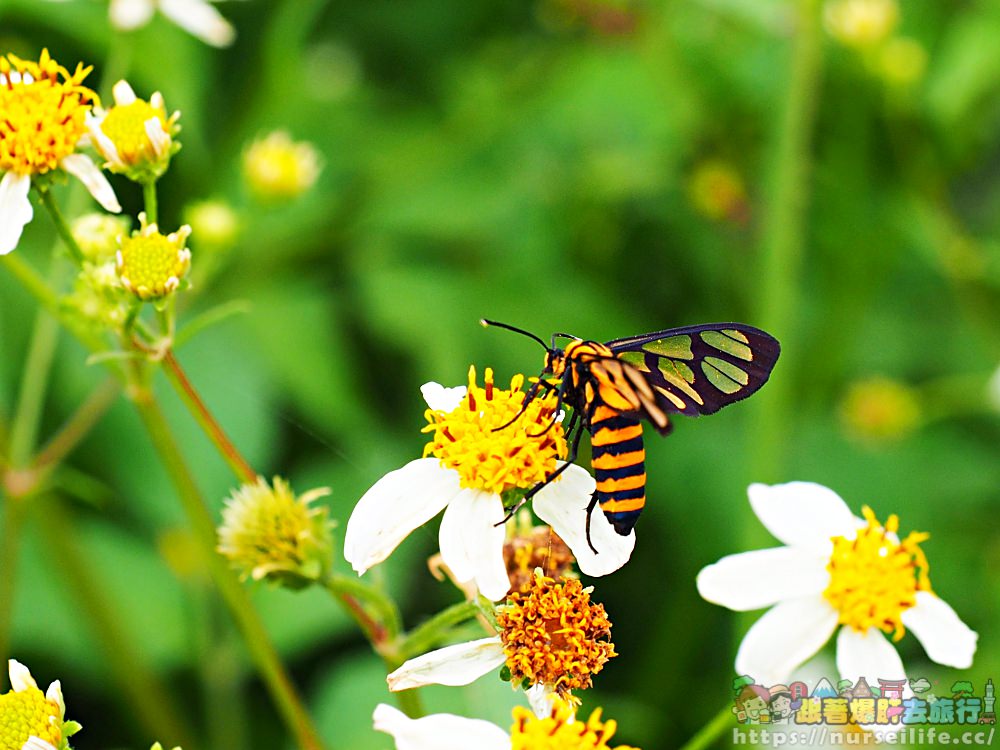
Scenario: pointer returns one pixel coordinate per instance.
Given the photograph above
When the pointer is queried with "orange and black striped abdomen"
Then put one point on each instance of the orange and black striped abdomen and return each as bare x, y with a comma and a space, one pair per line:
618, 459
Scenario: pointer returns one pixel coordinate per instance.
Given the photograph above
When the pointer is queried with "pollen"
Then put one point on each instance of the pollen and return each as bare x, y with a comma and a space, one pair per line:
151, 265
552, 634
44, 110
561, 731
489, 445
875, 577
28, 713
125, 126
531, 547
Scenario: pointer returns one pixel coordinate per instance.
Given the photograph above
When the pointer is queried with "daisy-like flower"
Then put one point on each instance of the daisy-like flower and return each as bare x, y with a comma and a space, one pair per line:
197, 17
151, 265
135, 137
836, 571
270, 533
557, 731
470, 467
43, 125
552, 640
29, 719
277, 168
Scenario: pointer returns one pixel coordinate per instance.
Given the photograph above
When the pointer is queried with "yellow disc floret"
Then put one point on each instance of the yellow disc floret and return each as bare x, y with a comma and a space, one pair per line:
28, 713
561, 732
125, 125
278, 168
874, 577
492, 448
151, 265
44, 109
554, 635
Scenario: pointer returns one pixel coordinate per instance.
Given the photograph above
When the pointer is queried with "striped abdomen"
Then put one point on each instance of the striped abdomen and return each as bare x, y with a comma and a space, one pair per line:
618, 460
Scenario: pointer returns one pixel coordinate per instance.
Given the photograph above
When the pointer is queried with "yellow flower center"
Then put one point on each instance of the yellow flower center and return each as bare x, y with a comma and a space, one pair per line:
25, 714
468, 438
554, 635
875, 578
125, 126
151, 265
43, 117
530, 548
277, 167
561, 732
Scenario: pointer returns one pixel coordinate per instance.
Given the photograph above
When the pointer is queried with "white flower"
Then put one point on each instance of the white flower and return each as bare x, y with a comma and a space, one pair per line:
835, 570
41, 712
439, 731
472, 532
197, 17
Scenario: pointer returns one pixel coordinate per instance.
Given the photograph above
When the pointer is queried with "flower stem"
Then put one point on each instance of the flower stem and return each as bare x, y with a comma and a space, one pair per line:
712, 730
77, 426
49, 201
354, 595
430, 633
149, 199
179, 380
268, 662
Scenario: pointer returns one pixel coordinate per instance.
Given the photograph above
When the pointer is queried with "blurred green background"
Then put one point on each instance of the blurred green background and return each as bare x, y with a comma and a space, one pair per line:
593, 166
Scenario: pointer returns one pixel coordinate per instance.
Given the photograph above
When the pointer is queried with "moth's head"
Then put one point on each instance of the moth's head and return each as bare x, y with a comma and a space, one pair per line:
555, 362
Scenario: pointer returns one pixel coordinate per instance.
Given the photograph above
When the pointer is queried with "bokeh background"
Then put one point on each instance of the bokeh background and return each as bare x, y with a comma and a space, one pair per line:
602, 167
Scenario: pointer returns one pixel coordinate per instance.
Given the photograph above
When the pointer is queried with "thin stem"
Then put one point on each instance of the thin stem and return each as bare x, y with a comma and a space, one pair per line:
149, 198
784, 233
430, 633
179, 380
150, 701
361, 601
262, 651
49, 201
712, 730
410, 703
77, 426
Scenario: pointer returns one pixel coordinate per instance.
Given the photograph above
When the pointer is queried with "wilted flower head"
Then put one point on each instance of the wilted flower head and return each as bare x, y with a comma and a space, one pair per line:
98, 296
29, 718
135, 137
44, 110
97, 235
529, 548
268, 532
277, 168
151, 265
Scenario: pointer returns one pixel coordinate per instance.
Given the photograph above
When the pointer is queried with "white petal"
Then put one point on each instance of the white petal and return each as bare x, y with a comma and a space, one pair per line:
802, 514
751, 580
20, 676
563, 506
123, 93
439, 731
36, 743
452, 665
130, 14
104, 145
946, 639
158, 137
81, 167
471, 538
396, 504
440, 398
15, 209
784, 637
541, 697
54, 694
200, 19
869, 655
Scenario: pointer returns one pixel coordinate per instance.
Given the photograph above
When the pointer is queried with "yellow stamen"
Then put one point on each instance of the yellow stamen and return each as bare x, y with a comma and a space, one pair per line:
28, 713
520, 455
43, 117
561, 732
125, 126
874, 578
554, 635
529, 548
151, 265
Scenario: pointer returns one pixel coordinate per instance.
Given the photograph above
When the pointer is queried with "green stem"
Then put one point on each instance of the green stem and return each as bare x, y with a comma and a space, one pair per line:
179, 380
410, 703
49, 201
360, 599
783, 239
149, 198
429, 634
149, 699
262, 651
77, 426
10, 537
712, 730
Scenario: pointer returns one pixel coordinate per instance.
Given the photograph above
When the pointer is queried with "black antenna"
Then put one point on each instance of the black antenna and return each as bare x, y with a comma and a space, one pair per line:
484, 322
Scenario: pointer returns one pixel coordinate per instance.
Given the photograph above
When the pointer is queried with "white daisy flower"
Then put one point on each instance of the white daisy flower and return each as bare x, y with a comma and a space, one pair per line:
559, 728
469, 467
836, 571
197, 17
43, 126
33, 720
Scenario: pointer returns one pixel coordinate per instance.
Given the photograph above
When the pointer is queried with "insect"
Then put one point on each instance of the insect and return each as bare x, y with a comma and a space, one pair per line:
613, 387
